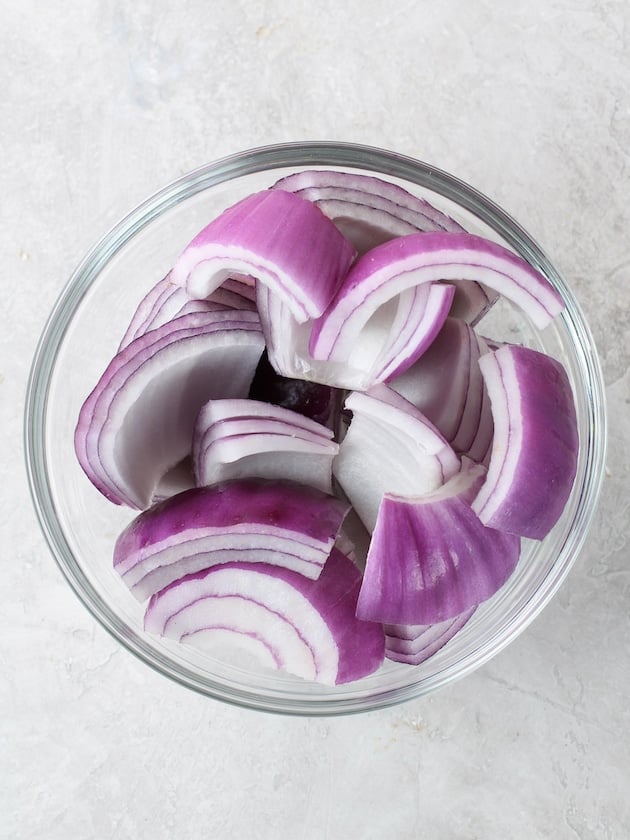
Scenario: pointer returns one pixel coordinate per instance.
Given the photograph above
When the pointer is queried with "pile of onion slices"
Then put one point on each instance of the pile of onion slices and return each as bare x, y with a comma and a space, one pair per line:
330, 463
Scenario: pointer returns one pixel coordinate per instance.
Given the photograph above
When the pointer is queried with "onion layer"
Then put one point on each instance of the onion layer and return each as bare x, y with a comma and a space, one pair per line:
534, 453
307, 628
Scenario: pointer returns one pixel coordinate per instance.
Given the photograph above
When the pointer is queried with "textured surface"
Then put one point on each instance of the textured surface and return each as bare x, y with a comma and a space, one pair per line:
106, 101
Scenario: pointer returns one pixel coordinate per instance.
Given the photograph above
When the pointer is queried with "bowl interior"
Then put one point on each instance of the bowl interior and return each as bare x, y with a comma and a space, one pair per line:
83, 333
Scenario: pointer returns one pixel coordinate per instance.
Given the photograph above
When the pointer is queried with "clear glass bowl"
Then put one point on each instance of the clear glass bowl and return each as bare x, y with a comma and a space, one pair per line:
84, 329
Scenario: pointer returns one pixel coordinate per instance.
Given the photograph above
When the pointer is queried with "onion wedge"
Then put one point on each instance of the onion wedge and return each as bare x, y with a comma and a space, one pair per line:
431, 559
304, 627
265, 236
446, 385
386, 271
533, 460
274, 522
390, 447
137, 423
370, 211
396, 334
246, 438
165, 301
415, 643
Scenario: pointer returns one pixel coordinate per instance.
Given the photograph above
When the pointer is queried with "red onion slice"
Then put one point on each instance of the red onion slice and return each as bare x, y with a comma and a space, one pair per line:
137, 423
165, 301
274, 522
533, 460
390, 447
415, 643
446, 385
370, 211
264, 236
263, 440
267, 601
391, 268
431, 559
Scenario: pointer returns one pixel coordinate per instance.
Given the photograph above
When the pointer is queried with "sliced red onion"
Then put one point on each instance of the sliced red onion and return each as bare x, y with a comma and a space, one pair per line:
415, 643
389, 269
243, 438
394, 336
307, 628
431, 558
137, 423
165, 301
390, 447
370, 211
279, 239
446, 385
533, 459
253, 520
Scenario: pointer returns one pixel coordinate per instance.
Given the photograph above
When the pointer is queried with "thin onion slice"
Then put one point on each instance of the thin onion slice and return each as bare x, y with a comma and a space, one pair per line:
264, 236
533, 460
389, 269
395, 334
370, 211
137, 423
413, 644
254, 520
390, 447
446, 385
431, 559
307, 628
166, 301
243, 438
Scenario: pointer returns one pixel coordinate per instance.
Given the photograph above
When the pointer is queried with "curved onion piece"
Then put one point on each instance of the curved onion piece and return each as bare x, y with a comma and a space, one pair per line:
390, 447
533, 460
137, 423
370, 211
308, 628
394, 336
165, 301
275, 522
389, 269
431, 559
446, 385
415, 643
241, 438
264, 236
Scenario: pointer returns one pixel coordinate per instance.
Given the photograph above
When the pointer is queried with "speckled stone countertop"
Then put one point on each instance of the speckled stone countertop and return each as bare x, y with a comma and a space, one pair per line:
103, 103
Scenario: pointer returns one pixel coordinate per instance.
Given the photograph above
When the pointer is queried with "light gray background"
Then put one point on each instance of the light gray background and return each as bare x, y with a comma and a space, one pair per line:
103, 102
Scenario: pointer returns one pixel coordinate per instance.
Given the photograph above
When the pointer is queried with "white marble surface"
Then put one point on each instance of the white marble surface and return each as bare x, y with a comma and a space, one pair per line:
103, 102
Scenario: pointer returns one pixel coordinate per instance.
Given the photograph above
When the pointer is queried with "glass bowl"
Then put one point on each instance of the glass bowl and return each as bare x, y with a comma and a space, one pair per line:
82, 334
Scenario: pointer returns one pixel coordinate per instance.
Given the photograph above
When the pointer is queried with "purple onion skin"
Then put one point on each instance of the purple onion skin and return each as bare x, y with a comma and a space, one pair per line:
280, 504
311, 399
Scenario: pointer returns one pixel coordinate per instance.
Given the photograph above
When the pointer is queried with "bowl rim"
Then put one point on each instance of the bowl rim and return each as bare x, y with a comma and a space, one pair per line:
268, 158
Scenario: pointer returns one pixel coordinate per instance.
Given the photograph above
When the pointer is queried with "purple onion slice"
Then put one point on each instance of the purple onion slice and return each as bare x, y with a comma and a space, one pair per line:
370, 211
431, 559
274, 522
137, 423
415, 643
386, 271
243, 438
390, 447
446, 385
304, 627
279, 239
533, 460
